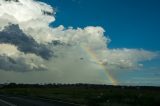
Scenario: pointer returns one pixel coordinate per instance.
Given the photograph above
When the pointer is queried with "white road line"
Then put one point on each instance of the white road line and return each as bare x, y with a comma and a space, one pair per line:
7, 103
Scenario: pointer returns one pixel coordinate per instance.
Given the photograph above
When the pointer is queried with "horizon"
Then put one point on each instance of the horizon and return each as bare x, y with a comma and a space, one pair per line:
58, 41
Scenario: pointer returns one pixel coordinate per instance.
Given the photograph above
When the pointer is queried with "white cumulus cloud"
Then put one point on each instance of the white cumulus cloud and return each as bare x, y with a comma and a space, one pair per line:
78, 54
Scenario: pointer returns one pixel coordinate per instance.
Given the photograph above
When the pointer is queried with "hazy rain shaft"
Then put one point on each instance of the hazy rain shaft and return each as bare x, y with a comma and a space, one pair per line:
33, 52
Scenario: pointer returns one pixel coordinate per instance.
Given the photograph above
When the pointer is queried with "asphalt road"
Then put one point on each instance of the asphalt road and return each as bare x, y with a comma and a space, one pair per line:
6, 100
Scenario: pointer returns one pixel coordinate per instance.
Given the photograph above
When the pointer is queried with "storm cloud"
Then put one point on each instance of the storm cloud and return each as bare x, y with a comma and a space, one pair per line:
11, 59
12, 34
18, 64
67, 55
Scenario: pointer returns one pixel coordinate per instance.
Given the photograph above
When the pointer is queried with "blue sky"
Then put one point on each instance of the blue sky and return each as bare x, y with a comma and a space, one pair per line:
129, 23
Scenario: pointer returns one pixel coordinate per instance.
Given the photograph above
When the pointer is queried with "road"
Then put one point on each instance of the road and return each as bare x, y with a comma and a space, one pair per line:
6, 100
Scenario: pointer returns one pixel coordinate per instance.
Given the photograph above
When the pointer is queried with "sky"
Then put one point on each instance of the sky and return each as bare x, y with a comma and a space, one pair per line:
125, 21
80, 41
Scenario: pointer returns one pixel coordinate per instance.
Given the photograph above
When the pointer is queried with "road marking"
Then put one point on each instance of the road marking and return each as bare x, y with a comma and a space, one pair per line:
7, 103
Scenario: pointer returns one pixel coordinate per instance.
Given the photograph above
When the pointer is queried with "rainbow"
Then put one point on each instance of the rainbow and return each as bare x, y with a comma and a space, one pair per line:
93, 55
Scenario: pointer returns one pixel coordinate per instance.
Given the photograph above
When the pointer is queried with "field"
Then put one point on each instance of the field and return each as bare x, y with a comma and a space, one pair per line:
88, 95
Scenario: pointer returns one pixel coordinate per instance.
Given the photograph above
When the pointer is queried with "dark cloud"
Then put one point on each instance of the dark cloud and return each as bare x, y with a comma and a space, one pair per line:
47, 13
57, 43
12, 34
18, 64
11, 0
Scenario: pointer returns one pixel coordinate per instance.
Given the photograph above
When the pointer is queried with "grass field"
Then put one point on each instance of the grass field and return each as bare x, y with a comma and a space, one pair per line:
90, 95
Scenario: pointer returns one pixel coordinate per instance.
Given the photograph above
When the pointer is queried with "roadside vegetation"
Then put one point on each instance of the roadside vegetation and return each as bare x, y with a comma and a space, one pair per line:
88, 95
